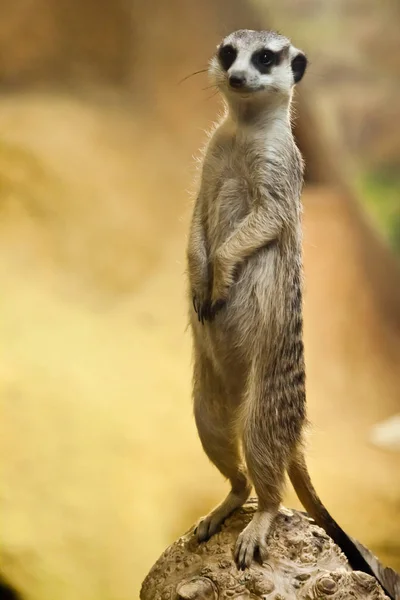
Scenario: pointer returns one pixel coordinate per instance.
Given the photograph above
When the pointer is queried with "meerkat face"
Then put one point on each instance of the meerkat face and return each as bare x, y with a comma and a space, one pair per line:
256, 63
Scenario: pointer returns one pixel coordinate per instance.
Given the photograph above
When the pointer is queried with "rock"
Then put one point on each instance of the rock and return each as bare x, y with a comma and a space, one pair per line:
304, 563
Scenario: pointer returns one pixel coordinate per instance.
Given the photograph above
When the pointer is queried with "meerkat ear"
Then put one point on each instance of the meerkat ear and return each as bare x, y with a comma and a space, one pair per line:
299, 65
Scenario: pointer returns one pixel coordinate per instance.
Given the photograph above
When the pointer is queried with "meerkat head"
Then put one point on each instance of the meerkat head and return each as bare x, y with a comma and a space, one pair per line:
256, 64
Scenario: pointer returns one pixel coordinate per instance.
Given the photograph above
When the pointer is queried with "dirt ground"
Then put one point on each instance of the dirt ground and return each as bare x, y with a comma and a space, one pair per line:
102, 467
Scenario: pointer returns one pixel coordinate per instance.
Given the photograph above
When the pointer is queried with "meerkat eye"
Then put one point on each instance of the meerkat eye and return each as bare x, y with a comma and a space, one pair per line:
264, 59
227, 56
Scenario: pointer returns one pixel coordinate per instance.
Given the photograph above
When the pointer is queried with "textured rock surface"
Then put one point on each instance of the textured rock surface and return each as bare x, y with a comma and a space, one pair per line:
304, 563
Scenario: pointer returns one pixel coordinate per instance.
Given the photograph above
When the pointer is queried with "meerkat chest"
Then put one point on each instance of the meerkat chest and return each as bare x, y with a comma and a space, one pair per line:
230, 180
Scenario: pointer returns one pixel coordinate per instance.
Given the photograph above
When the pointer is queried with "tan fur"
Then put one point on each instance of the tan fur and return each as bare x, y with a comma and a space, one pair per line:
244, 264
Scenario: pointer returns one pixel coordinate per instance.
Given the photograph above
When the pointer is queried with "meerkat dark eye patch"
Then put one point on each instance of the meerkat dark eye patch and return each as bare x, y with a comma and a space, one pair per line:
299, 65
227, 56
265, 59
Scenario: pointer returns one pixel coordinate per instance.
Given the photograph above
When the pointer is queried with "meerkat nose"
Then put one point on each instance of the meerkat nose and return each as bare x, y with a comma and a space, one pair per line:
237, 80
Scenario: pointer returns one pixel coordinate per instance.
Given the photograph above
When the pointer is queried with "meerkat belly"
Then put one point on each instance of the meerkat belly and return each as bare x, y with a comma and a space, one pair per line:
230, 205
259, 288
254, 314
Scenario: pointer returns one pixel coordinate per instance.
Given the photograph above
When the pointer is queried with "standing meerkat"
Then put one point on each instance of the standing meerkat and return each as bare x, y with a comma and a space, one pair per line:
245, 282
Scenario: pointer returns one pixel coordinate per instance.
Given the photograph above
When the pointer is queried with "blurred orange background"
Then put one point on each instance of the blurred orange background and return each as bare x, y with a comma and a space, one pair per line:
101, 466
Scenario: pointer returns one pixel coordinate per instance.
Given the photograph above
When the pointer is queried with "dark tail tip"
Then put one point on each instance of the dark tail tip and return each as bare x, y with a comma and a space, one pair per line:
362, 559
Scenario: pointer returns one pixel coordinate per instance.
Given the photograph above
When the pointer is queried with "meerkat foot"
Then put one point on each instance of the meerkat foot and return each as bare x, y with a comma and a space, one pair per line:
213, 521
253, 539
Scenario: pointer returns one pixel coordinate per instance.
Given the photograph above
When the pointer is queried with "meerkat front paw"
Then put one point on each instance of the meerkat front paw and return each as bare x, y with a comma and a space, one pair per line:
205, 307
202, 307
216, 307
222, 282
253, 539
207, 310
219, 294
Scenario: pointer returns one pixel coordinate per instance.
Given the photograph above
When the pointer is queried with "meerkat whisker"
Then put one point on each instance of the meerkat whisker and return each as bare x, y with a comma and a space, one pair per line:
192, 75
212, 95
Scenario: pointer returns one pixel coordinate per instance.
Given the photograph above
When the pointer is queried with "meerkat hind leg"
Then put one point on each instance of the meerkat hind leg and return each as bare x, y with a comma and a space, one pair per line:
266, 466
214, 426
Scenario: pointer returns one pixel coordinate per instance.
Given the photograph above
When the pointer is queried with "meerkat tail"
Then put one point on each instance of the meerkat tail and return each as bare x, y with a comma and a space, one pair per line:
358, 556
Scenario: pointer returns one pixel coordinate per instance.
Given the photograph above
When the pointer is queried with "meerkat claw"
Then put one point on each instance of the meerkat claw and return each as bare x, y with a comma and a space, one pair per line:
207, 309
201, 314
204, 311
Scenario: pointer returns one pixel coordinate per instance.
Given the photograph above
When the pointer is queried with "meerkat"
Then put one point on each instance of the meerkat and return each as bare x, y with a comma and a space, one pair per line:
244, 259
